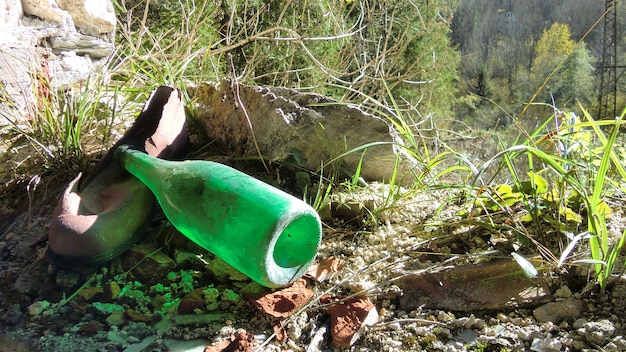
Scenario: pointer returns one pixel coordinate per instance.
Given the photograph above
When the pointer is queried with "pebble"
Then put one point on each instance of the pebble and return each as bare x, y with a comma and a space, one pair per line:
579, 323
38, 307
555, 312
116, 318
422, 331
598, 332
395, 326
546, 345
523, 334
563, 292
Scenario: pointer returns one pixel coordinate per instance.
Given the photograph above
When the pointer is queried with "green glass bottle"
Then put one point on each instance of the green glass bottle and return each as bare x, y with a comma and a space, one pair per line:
265, 233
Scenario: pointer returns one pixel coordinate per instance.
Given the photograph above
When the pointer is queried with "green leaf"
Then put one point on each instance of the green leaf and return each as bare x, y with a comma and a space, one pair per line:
527, 267
536, 185
571, 215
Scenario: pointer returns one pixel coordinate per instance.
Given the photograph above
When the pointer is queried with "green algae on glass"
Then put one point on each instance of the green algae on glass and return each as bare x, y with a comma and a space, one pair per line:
265, 233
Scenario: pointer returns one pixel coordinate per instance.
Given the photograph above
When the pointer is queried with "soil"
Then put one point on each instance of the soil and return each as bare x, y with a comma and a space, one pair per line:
168, 294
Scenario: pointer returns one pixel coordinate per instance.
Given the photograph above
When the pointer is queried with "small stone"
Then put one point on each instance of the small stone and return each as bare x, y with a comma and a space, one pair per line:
110, 291
502, 317
116, 319
89, 294
223, 272
563, 292
92, 327
468, 336
579, 323
555, 312
148, 263
137, 316
395, 326
523, 335
38, 307
599, 332
240, 342
546, 345
90, 17
191, 301
517, 321
158, 301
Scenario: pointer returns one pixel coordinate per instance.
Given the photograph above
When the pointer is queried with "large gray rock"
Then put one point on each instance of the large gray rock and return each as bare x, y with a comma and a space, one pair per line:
92, 17
10, 16
82, 45
284, 123
16, 65
47, 10
49, 44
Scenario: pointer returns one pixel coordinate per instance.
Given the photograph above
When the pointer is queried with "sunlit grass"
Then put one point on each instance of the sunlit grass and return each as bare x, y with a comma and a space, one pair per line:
573, 169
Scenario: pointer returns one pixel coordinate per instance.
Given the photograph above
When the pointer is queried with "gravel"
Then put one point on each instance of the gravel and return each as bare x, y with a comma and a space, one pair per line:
44, 309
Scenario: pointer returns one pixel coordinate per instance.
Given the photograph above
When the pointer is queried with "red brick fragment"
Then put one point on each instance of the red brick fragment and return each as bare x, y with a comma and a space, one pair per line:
283, 303
348, 319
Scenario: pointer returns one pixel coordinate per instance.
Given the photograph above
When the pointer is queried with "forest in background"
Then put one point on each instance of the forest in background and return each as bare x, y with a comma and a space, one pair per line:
509, 47
465, 63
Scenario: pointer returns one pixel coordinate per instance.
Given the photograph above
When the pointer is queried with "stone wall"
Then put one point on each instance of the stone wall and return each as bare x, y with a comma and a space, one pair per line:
50, 44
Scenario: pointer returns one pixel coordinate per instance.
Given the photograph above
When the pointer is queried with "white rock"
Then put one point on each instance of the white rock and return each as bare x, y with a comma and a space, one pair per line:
599, 332
546, 345
10, 16
47, 10
93, 17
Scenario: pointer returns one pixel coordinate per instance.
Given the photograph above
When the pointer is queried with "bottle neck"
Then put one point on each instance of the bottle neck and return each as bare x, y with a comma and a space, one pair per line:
146, 168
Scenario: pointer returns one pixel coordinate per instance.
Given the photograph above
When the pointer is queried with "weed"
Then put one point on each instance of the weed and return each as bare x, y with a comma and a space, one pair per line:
570, 176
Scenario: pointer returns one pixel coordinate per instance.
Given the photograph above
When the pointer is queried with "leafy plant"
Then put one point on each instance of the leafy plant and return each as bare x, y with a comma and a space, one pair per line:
569, 178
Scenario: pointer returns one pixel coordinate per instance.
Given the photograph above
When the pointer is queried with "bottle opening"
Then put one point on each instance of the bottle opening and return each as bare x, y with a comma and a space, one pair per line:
297, 244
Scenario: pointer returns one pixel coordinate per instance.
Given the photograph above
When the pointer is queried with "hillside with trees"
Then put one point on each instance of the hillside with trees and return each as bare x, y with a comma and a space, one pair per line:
509, 48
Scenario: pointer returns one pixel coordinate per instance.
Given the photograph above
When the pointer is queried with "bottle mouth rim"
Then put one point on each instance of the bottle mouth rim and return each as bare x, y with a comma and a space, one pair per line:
293, 245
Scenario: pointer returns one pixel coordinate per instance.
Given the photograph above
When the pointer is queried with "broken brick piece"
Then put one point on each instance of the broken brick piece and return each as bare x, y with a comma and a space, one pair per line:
349, 318
283, 303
